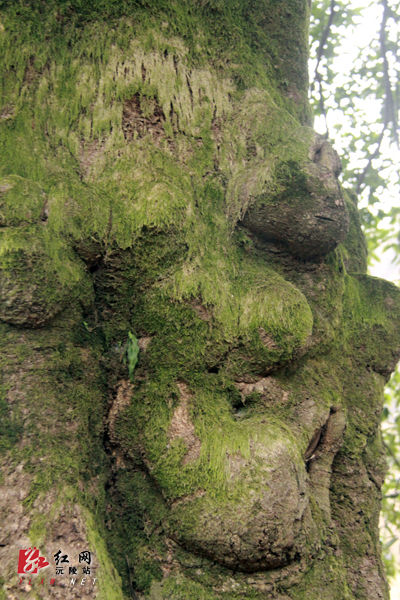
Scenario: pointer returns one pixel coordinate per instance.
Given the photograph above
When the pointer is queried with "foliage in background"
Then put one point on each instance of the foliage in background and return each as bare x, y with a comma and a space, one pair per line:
358, 98
358, 102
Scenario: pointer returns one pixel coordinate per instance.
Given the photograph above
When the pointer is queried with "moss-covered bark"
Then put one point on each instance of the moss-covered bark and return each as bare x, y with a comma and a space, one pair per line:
160, 180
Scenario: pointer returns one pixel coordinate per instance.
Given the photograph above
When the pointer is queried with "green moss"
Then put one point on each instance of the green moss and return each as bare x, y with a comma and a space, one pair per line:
121, 228
10, 423
65, 388
327, 575
355, 245
179, 588
39, 275
109, 581
141, 513
21, 201
93, 185
239, 37
372, 328
38, 529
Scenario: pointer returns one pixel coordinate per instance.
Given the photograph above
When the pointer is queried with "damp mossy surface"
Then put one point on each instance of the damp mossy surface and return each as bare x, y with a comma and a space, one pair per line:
134, 137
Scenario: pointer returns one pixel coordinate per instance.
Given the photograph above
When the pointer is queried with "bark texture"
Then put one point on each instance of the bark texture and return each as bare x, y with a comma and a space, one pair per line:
160, 180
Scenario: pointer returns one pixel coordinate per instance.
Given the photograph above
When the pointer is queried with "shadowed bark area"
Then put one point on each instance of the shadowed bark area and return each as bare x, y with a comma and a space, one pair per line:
161, 181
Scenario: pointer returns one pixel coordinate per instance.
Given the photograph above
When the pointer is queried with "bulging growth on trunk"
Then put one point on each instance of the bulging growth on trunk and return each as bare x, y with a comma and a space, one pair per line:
192, 355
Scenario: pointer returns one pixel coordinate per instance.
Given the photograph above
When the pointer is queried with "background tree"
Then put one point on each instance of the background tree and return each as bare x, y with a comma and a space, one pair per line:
162, 189
364, 97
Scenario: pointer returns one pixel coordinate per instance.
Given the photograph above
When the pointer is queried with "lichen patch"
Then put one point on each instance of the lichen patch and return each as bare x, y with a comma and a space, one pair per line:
267, 387
201, 311
7, 112
266, 339
144, 342
91, 155
182, 427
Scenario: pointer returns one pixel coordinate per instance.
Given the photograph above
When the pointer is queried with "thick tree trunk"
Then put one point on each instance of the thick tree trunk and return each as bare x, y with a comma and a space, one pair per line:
160, 181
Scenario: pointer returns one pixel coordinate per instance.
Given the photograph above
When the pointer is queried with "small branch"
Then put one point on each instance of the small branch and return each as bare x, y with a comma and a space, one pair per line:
390, 451
320, 52
389, 110
361, 177
321, 104
324, 39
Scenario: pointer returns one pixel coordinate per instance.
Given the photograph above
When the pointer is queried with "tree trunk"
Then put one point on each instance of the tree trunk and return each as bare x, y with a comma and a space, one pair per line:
193, 357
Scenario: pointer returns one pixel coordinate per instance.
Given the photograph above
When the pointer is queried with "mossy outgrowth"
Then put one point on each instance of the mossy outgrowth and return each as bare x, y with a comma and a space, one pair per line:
92, 184
243, 460
38, 277
306, 210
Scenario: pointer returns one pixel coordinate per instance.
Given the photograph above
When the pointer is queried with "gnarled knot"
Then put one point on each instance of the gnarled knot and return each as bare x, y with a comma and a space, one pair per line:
304, 210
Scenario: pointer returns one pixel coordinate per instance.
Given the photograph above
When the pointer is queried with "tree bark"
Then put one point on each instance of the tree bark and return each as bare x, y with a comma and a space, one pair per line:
162, 191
